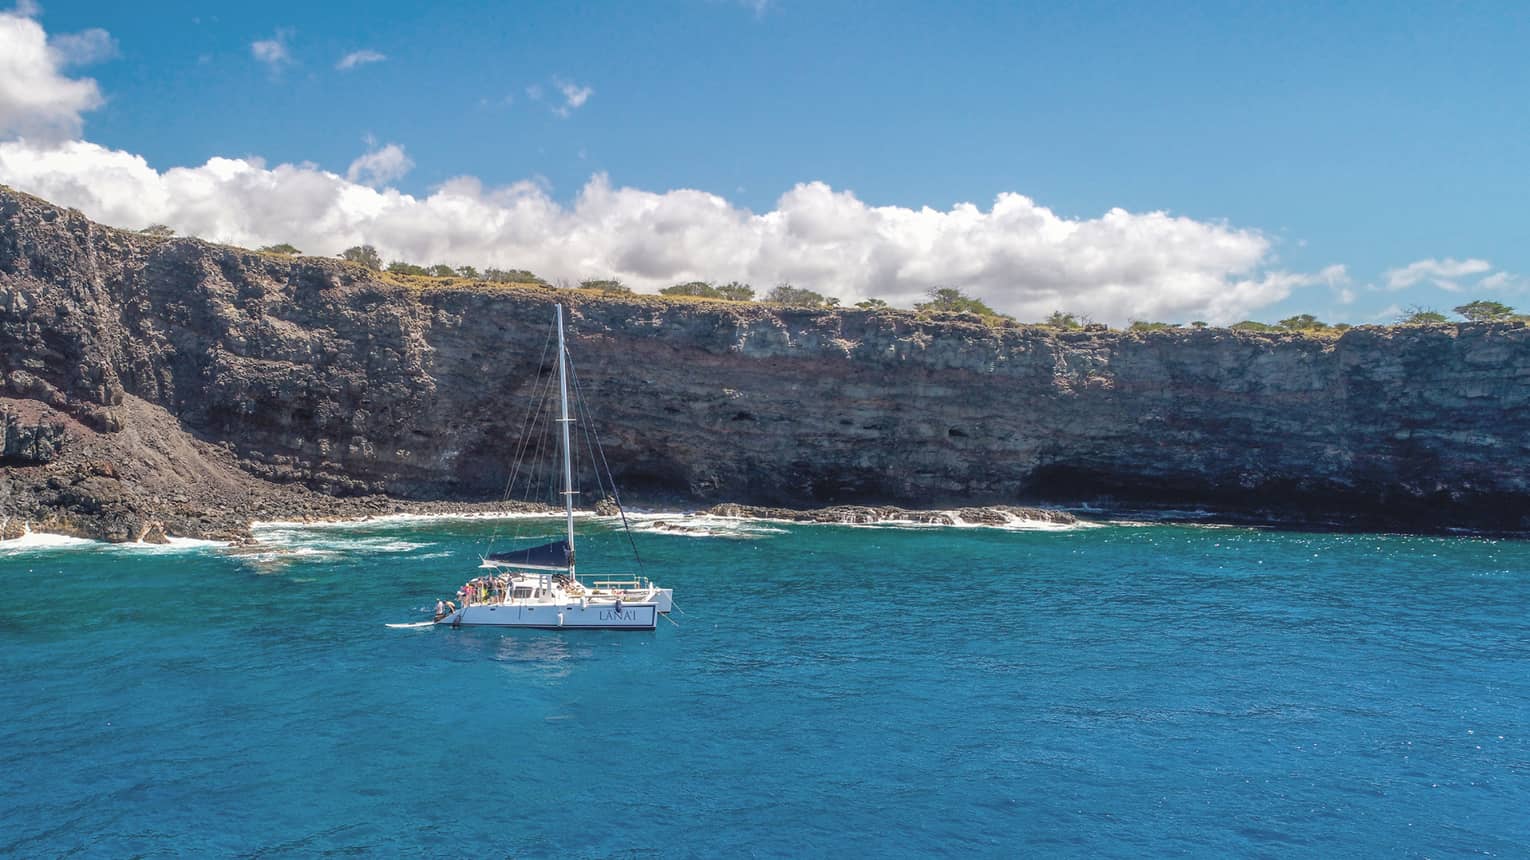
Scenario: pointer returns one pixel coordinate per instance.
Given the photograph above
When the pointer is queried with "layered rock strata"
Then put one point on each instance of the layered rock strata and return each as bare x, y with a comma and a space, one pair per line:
187, 387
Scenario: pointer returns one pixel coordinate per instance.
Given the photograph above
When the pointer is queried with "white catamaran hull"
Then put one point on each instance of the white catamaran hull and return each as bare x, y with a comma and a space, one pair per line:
548, 616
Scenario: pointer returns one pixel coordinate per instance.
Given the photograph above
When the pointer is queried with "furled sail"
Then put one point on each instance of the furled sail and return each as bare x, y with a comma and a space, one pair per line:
556, 554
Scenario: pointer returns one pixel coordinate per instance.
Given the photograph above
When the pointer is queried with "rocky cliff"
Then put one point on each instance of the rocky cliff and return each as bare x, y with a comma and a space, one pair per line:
171, 383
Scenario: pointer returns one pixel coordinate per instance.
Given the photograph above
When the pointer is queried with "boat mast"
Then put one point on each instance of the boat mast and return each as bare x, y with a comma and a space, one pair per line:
568, 469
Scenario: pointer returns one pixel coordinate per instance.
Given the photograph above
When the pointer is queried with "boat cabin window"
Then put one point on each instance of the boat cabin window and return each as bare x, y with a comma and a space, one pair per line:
521, 592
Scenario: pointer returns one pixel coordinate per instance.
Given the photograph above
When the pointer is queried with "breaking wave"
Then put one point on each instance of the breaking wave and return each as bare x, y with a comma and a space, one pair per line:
940, 519
702, 526
398, 519
324, 540
31, 541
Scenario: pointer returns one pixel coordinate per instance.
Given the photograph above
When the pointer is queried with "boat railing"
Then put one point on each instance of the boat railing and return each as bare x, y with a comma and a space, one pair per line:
618, 583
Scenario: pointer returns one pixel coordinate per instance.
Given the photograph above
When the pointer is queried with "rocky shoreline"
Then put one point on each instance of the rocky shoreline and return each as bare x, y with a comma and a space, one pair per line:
235, 527
990, 515
121, 487
75, 512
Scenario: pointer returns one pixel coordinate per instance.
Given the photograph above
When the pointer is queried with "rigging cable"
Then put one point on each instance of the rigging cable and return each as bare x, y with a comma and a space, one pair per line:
620, 509
521, 439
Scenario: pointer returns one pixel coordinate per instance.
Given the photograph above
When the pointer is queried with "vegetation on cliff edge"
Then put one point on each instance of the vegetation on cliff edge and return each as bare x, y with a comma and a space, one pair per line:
942, 302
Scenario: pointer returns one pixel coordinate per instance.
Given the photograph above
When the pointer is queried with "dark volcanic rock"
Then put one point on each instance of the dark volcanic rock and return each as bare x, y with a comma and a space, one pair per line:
28, 441
225, 385
994, 515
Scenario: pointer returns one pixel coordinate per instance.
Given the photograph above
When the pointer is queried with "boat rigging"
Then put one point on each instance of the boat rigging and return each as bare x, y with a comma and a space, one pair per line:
538, 586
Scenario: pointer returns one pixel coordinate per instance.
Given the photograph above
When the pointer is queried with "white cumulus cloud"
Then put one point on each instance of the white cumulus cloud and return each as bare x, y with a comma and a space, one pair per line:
380, 166
36, 99
574, 97
84, 47
359, 58
1442, 273
1338, 280
1504, 282
1018, 256
273, 51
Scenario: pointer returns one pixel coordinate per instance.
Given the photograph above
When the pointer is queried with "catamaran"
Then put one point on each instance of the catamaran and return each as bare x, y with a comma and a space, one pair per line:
537, 586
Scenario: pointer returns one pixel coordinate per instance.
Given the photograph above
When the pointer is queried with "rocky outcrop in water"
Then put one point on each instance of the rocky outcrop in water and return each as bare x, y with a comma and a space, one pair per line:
200, 386
991, 515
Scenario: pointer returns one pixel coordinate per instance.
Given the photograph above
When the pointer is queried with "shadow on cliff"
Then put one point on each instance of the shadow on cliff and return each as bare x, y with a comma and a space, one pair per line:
1292, 504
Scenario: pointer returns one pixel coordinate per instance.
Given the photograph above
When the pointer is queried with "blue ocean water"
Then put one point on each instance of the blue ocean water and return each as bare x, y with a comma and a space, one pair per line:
1108, 691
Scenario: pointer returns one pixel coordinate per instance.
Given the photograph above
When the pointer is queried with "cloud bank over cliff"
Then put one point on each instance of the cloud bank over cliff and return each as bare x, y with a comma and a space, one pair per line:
1019, 256
37, 98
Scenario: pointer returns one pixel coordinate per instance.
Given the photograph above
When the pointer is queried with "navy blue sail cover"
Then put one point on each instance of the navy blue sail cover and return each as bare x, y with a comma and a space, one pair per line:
554, 554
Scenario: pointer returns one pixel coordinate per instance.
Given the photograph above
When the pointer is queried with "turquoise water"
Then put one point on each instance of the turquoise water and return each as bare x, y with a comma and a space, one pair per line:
1112, 691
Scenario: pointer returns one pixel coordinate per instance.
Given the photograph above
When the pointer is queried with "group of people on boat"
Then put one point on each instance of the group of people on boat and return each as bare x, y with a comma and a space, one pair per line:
480, 589
484, 589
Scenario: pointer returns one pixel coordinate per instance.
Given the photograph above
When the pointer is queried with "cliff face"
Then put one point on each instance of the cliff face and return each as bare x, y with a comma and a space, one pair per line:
311, 372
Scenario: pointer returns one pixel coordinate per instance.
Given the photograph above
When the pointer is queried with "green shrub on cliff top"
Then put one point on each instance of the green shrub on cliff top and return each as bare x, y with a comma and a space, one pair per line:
1064, 320
1145, 325
952, 299
736, 292
1302, 322
366, 255
605, 286
284, 249
507, 276
1485, 311
1417, 315
699, 289
439, 270
786, 294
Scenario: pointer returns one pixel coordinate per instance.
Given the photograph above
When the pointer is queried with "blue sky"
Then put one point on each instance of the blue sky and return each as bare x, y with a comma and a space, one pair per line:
1366, 135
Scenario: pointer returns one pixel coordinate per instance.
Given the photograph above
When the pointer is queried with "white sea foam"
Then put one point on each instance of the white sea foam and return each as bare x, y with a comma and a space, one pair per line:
1022, 524
682, 523
304, 540
291, 539
280, 554
32, 541
740, 526
367, 545
701, 526
175, 544
394, 519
